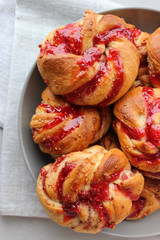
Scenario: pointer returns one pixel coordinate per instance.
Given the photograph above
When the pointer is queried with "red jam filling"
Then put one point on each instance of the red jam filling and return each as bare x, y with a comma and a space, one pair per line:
51, 141
118, 32
137, 207
62, 112
43, 175
150, 159
90, 87
154, 174
152, 132
89, 57
99, 192
114, 55
57, 162
66, 40
155, 79
133, 133
69, 40
62, 177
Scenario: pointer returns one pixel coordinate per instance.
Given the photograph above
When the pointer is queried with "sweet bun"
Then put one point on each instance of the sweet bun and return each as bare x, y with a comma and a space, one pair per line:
153, 48
138, 127
149, 201
59, 127
89, 190
93, 61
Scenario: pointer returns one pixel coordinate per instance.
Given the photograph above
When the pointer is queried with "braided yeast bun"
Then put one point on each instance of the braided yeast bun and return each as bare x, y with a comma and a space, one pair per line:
149, 201
153, 48
110, 141
138, 127
89, 190
141, 43
90, 62
59, 127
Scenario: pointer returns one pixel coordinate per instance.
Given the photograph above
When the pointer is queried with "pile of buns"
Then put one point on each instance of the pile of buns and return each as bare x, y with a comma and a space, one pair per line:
99, 119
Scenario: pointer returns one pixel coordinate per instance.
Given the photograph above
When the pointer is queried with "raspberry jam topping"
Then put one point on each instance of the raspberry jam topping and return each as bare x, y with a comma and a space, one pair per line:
62, 177
137, 207
154, 174
72, 113
114, 55
69, 40
98, 192
115, 33
89, 57
134, 132
151, 131
43, 174
153, 107
51, 141
155, 79
90, 86
66, 40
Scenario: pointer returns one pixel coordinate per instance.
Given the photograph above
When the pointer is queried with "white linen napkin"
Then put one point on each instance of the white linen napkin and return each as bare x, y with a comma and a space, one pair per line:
34, 20
7, 16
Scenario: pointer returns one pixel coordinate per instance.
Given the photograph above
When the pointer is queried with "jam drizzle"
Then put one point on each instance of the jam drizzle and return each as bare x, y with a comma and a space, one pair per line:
137, 207
69, 40
99, 192
115, 33
155, 79
151, 132
72, 113
114, 55
66, 40
133, 133
43, 174
90, 86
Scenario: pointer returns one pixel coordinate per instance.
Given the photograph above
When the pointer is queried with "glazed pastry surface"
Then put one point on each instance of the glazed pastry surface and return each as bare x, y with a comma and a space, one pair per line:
89, 190
59, 127
93, 61
149, 201
138, 127
153, 49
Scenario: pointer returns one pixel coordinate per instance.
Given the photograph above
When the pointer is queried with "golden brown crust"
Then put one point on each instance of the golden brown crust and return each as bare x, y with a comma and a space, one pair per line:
89, 190
149, 201
59, 127
137, 126
64, 74
141, 43
153, 48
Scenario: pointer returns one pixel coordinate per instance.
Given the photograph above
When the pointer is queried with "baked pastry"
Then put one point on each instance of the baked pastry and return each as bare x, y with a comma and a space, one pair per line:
89, 190
59, 127
149, 201
141, 43
109, 141
93, 61
138, 127
153, 48
143, 76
